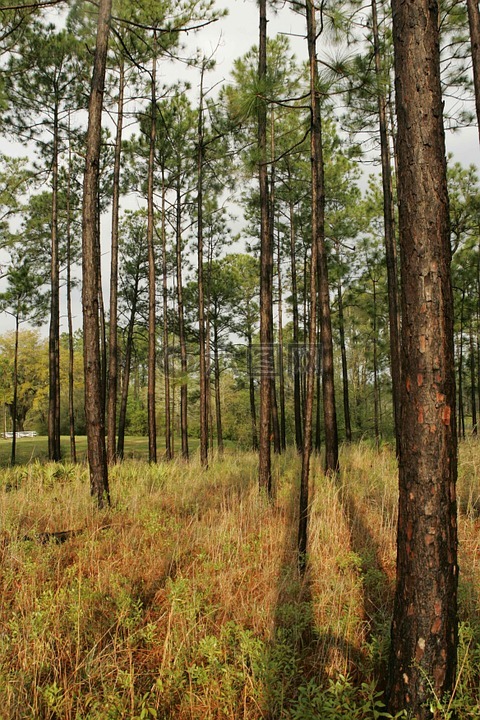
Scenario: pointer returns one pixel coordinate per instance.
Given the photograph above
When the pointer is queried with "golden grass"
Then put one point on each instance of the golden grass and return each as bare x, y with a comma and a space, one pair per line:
184, 601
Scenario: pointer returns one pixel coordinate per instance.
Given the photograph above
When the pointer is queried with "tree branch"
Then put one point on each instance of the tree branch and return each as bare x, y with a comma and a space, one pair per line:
33, 6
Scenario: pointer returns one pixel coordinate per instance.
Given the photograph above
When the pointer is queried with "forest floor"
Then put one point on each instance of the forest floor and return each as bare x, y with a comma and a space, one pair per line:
183, 600
36, 448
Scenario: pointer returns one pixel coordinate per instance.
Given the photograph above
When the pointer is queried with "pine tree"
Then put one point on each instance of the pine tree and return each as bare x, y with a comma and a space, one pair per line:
424, 627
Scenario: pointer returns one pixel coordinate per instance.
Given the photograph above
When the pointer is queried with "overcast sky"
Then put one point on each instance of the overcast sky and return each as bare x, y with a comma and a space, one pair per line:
235, 35
239, 31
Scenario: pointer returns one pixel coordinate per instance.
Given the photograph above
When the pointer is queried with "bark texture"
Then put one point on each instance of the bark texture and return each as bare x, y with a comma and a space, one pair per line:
94, 407
424, 628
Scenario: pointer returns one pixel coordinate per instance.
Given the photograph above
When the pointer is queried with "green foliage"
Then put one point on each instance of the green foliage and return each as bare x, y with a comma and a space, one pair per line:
32, 373
340, 699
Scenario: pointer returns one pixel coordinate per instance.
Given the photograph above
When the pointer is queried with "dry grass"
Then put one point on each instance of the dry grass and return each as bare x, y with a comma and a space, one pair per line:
184, 601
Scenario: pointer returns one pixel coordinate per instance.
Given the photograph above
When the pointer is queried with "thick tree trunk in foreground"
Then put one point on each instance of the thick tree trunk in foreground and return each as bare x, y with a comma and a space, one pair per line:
94, 408
424, 628
266, 272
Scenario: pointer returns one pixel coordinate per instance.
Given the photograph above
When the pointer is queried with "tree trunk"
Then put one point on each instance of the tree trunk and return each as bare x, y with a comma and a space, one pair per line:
376, 399
218, 409
474, 24
473, 389
201, 290
166, 359
126, 374
275, 422
303, 374
54, 451
277, 443
461, 411
312, 341
318, 419
478, 319
15, 393
113, 330
253, 412
102, 323
174, 407
393, 140
389, 229
318, 229
343, 351
94, 409
295, 359
424, 628
281, 368
181, 329
71, 410
208, 366
152, 314
266, 271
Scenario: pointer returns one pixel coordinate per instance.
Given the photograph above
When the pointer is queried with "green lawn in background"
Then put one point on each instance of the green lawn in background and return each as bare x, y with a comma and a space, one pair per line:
30, 449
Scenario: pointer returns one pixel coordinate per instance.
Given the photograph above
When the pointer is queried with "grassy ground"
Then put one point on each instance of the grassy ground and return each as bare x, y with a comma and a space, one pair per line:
183, 601
30, 449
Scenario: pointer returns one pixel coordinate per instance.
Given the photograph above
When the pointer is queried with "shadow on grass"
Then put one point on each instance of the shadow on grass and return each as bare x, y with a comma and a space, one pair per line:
377, 587
300, 652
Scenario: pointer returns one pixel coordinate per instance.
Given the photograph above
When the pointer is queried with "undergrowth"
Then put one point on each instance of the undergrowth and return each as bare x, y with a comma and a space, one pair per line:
183, 601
